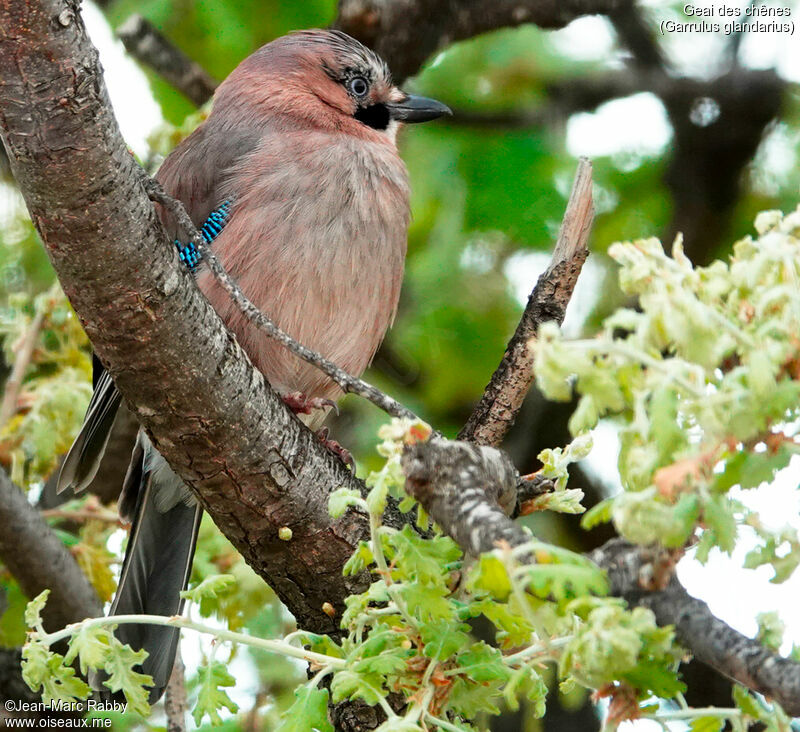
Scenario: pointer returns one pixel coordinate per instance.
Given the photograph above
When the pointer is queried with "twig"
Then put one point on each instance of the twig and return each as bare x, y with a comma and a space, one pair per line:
502, 399
349, 384
470, 491
634, 32
175, 699
24, 352
148, 46
109, 517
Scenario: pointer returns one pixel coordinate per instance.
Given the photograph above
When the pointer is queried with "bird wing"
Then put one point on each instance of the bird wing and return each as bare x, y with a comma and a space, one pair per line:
194, 173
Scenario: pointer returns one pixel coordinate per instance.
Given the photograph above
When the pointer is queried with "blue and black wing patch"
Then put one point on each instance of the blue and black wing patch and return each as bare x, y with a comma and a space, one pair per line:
210, 230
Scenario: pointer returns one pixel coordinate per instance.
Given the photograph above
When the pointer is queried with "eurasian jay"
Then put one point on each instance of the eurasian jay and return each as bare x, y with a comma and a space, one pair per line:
296, 178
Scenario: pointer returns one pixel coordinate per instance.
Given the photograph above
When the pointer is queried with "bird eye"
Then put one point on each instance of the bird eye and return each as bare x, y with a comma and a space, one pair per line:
358, 86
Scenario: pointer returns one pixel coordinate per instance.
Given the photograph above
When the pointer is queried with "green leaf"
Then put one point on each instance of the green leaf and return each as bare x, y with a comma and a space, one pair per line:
92, 645
490, 574
719, 518
322, 644
467, 698
481, 662
45, 670
422, 560
12, 621
308, 713
351, 685
361, 559
442, 639
33, 611
566, 581
210, 588
210, 697
707, 724
655, 679
340, 500
119, 664
514, 629
598, 514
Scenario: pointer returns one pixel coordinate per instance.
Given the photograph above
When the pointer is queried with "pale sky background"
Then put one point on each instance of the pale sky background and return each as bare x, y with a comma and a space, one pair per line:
638, 125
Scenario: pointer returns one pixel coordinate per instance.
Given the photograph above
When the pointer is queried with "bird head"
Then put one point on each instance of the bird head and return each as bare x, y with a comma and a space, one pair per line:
325, 79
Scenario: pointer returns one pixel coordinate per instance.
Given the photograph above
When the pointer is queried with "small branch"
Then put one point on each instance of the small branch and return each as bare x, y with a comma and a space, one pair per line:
24, 353
349, 384
529, 488
149, 47
634, 33
38, 560
222, 634
469, 490
407, 33
502, 399
175, 699
708, 638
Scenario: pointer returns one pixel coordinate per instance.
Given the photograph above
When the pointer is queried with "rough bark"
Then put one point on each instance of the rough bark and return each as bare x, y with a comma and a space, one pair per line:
502, 399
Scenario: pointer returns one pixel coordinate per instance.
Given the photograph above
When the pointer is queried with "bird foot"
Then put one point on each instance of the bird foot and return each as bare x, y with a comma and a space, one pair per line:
299, 403
341, 452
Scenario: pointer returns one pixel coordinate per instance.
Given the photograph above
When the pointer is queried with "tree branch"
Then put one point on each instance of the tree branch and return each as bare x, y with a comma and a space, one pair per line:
634, 32
149, 47
467, 490
502, 399
407, 32
710, 640
175, 699
38, 560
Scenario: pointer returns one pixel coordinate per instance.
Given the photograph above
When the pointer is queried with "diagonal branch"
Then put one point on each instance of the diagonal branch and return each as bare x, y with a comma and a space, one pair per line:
710, 640
502, 399
151, 48
24, 352
39, 560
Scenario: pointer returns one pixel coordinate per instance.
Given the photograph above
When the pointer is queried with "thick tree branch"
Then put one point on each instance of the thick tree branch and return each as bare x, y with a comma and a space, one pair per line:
252, 464
407, 32
467, 490
502, 399
38, 560
147, 45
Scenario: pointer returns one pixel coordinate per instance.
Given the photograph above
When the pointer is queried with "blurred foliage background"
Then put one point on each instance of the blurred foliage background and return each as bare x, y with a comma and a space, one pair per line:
489, 189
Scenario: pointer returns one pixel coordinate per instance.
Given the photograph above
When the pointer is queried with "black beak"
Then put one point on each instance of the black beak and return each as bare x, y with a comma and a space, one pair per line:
417, 109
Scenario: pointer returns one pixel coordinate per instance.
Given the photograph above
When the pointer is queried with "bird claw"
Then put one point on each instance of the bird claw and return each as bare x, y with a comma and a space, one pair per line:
299, 403
341, 452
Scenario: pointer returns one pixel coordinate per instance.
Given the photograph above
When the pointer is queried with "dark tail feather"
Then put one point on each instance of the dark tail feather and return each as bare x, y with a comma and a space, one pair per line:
83, 459
156, 568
